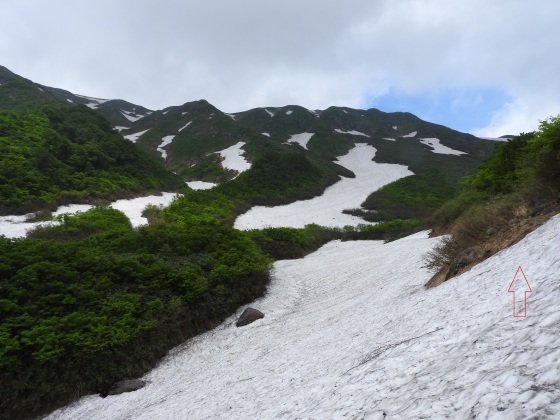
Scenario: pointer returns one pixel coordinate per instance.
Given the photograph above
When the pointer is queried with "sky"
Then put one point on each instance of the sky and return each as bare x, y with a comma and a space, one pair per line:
485, 67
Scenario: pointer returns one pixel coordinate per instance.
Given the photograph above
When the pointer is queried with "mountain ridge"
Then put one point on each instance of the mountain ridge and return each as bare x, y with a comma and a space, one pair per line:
187, 138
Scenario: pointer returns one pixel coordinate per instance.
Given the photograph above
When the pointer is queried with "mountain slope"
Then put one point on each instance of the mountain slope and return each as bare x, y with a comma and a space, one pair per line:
188, 139
350, 331
20, 94
70, 155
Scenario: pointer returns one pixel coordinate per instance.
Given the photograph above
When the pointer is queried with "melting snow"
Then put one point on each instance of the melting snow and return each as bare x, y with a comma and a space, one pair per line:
233, 158
165, 142
232, 116
413, 134
266, 134
352, 132
300, 139
269, 113
135, 136
131, 118
346, 112
201, 185
437, 147
289, 112
70, 100
395, 128
120, 128
494, 138
185, 126
316, 113
133, 208
16, 227
350, 332
389, 138
96, 100
327, 209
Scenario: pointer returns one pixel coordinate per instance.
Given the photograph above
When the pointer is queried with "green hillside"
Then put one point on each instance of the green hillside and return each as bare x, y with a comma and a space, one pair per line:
93, 301
19, 94
70, 155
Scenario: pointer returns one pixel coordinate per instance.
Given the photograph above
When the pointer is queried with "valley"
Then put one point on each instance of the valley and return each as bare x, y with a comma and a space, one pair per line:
149, 231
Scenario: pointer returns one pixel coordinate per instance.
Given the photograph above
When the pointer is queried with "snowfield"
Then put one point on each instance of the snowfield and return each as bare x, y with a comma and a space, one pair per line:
437, 147
351, 332
352, 132
165, 141
201, 185
326, 210
131, 116
17, 227
233, 158
185, 126
302, 139
134, 137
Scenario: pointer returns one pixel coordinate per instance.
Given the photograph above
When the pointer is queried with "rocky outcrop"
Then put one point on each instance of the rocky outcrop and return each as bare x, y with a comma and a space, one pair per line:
248, 316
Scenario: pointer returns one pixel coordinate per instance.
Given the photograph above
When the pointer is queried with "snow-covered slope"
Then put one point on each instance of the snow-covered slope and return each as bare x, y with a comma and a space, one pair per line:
326, 210
17, 227
350, 332
437, 147
302, 139
233, 158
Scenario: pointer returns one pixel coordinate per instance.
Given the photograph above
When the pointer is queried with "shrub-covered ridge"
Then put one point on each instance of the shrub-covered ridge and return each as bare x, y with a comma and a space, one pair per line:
94, 301
70, 155
516, 188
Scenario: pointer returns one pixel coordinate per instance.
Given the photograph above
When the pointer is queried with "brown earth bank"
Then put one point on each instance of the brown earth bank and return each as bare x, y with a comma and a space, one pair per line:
501, 238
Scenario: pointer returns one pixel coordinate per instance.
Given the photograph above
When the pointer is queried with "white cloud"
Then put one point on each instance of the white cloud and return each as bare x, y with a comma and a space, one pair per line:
245, 54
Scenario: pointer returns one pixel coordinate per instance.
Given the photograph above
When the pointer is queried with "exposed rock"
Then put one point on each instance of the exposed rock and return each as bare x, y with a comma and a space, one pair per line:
127, 386
248, 316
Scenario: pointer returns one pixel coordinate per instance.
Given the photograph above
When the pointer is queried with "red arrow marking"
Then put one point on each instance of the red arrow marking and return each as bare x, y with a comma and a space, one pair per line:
520, 284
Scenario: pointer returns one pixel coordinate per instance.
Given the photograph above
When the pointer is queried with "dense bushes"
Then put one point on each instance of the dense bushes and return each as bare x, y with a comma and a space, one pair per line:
388, 231
94, 301
279, 177
289, 243
519, 180
62, 155
437, 177
411, 197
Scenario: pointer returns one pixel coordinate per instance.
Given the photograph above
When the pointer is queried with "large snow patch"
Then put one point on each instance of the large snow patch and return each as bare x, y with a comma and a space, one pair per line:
233, 158
16, 226
350, 332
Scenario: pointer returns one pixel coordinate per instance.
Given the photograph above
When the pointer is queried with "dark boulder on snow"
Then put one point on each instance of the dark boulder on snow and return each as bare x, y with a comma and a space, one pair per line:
127, 386
249, 315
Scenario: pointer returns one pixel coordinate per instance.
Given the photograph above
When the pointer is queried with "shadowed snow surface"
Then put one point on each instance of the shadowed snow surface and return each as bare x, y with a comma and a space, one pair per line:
350, 332
326, 210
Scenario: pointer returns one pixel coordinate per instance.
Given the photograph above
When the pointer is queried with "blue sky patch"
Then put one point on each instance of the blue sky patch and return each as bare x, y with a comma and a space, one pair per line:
460, 109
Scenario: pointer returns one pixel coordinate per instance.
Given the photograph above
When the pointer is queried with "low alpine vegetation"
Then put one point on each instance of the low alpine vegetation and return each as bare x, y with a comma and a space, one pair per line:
519, 182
